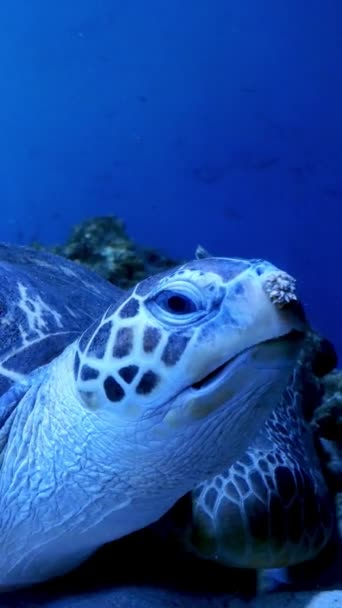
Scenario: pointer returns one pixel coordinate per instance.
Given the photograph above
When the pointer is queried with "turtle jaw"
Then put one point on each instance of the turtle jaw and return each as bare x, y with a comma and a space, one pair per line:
241, 382
265, 353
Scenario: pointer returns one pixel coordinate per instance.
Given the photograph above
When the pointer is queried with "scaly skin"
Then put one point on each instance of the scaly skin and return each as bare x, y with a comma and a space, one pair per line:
272, 507
125, 421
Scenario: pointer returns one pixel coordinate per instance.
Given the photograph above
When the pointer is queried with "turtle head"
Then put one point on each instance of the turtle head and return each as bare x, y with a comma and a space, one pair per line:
216, 338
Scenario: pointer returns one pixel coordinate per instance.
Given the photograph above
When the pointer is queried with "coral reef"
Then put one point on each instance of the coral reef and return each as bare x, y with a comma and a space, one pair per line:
327, 423
102, 244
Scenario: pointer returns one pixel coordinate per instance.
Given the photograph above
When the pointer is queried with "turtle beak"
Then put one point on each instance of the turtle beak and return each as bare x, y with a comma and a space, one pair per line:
250, 382
261, 369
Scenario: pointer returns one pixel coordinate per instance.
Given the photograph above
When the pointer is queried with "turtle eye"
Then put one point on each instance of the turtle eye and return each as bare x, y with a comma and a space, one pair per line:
176, 303
180, 304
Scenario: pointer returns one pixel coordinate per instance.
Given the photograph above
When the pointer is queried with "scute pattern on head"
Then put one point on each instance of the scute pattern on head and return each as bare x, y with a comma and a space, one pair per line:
130, 309
213, 265
129, 336
152, 337
174, 348
164, 319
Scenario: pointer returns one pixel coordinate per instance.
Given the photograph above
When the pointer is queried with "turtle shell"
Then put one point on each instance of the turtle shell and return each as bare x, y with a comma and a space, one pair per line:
46, 301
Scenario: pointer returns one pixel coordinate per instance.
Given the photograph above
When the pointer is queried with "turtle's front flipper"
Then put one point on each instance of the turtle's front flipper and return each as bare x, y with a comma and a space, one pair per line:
9, 402
272, 508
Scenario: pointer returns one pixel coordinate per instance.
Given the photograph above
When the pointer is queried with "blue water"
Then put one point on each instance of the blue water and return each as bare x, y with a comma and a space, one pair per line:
206, 121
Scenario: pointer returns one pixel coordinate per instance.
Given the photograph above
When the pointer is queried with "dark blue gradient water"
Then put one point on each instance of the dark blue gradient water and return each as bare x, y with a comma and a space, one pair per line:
195, 121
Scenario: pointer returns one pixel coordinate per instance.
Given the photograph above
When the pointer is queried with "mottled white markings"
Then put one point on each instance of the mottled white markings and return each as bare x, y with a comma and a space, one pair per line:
71, 312
91, 287
11, 375
42, 263
35, 310
69, 272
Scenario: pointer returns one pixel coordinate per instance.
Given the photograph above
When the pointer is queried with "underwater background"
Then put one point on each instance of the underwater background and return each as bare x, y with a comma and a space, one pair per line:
211, 121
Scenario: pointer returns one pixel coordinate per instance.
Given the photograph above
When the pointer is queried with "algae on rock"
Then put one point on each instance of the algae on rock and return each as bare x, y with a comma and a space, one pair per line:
102, 244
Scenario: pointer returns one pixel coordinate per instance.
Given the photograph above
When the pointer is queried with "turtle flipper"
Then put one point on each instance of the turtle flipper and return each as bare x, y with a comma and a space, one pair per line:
272, 508
11, 399
8, 405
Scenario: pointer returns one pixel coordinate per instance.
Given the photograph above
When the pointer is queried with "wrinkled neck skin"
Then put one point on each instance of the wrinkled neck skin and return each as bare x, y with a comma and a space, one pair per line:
74, 479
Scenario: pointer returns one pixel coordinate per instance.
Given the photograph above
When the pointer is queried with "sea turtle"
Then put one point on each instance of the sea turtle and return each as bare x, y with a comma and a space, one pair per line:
115, 405
274, 507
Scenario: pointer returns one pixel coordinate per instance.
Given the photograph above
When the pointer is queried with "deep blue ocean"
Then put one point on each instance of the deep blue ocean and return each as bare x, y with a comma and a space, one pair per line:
213, 122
